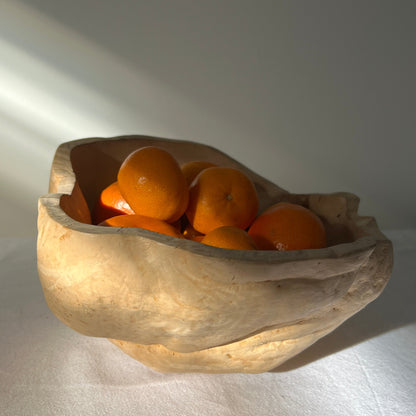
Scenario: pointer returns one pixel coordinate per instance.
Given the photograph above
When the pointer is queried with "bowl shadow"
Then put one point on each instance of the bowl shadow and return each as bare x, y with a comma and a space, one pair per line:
393, 309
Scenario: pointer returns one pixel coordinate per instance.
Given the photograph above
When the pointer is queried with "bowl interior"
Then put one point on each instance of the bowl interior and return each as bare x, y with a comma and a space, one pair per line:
95, 163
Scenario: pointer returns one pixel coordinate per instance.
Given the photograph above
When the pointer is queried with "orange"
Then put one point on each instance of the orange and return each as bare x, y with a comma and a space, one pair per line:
139, 221
151, 181
221, 196
110, 204
229, 237
192, 169
287, 226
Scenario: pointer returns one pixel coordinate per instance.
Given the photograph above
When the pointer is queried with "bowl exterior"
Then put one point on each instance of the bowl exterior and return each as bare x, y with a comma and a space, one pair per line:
177, 306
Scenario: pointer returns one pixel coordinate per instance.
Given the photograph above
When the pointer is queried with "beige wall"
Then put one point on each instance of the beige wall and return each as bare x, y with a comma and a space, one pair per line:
316, 96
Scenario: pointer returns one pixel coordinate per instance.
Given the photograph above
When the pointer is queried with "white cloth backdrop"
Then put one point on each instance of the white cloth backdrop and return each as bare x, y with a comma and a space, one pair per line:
315, 96
365, 367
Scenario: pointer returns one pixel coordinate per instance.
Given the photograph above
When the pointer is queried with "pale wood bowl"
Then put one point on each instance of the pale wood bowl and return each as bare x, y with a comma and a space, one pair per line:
181, 306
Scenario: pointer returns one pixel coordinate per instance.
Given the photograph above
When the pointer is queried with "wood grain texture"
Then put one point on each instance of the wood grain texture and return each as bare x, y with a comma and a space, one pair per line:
178, 305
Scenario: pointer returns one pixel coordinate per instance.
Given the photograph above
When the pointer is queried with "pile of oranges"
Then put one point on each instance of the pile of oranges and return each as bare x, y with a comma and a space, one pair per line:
200, 201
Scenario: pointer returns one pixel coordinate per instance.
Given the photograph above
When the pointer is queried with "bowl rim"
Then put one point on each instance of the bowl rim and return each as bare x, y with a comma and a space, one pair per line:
51, 202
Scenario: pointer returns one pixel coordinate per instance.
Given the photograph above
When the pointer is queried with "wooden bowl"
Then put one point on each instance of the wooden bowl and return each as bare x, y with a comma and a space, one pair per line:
181, 306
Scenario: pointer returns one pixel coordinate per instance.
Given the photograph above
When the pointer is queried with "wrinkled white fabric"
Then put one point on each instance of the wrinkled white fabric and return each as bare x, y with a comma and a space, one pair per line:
366, 367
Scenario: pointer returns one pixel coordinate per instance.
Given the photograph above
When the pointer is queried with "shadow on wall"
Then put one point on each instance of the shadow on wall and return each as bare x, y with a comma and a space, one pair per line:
315, 98
268, 85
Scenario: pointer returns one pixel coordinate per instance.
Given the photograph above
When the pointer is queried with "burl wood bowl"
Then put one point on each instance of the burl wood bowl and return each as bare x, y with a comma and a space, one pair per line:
181, 306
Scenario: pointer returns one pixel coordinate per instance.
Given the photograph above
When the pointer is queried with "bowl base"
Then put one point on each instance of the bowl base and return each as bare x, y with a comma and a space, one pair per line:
250, 355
